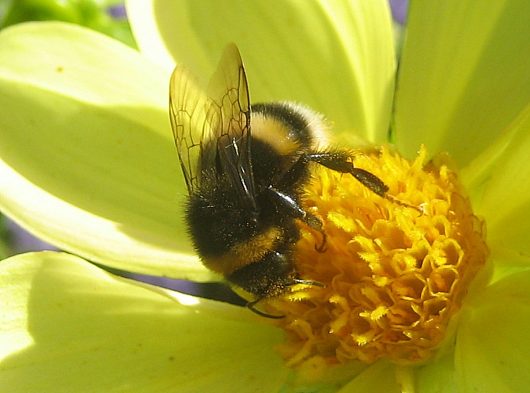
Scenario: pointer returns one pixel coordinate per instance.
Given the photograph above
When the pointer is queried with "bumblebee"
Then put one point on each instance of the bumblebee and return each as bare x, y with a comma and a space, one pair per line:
245, 167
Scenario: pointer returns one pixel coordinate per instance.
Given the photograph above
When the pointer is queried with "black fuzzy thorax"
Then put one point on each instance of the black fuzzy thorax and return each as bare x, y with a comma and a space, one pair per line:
216, 218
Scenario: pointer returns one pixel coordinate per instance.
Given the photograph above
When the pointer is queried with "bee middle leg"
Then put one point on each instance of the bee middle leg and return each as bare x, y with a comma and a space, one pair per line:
291, 207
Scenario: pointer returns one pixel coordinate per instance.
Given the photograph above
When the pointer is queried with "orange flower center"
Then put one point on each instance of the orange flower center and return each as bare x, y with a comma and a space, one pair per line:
394, 271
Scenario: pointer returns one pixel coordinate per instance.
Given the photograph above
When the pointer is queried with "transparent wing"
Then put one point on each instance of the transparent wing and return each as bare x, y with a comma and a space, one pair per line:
187, 109
212, 128
228, 113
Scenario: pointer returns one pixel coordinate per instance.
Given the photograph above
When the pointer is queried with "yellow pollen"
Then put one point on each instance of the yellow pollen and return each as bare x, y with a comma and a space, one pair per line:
395, 270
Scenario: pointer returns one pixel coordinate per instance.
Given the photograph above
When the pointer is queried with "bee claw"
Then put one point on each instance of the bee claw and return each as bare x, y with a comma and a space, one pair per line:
322, 247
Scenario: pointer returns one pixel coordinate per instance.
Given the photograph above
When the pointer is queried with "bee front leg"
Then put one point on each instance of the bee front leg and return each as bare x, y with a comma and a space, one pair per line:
340, 161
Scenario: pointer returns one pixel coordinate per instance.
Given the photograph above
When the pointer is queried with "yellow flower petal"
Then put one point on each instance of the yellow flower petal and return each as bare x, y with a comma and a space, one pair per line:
493, 341
463, 75
336, 57
505, 201
437, 376
87, 159
67, 326
380, 377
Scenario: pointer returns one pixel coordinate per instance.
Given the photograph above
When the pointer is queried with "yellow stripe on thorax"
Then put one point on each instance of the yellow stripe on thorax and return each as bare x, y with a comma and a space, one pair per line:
275, 133
244, 253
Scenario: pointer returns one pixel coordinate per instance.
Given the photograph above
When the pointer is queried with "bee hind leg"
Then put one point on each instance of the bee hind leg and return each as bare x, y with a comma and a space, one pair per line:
252, 307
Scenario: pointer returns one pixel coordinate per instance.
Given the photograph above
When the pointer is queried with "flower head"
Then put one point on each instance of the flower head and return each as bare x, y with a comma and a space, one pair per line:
87, 162
393, 275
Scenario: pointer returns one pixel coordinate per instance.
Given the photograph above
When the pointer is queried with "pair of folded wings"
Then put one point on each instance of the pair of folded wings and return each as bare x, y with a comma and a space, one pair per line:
212, 126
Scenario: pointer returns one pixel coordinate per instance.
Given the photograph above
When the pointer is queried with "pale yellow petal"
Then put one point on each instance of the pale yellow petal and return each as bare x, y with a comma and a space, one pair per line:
505, 192
336, 57
463, 75
87, 159
493, 341
67, 326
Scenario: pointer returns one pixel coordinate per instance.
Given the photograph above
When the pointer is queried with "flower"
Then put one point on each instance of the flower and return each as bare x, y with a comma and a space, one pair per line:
87, 162
395, 270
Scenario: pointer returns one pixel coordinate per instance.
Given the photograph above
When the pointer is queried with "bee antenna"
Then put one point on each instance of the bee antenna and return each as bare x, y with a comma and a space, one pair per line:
251, 306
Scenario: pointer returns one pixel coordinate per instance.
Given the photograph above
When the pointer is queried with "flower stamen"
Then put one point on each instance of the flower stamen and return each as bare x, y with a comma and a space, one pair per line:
395, 269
